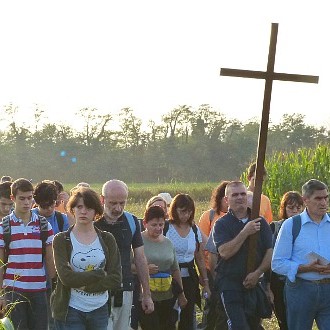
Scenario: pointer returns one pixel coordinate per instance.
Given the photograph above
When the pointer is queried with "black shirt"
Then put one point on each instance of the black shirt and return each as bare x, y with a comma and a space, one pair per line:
121, 230
232, 272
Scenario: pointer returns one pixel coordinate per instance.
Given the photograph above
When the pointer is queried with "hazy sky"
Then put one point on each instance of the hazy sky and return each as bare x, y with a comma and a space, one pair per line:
155, 55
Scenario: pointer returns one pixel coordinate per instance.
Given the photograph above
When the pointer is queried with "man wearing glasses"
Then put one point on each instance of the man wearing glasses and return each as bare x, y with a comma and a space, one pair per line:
45, 196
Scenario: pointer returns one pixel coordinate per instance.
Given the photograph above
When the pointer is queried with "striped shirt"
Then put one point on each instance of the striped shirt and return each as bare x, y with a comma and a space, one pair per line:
25, 270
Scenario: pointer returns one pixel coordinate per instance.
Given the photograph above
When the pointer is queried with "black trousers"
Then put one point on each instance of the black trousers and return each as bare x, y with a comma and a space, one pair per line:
160, 318
216, 317
277, 287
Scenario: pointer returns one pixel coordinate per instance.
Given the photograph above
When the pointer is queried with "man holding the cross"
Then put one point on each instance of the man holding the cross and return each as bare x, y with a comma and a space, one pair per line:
231, 233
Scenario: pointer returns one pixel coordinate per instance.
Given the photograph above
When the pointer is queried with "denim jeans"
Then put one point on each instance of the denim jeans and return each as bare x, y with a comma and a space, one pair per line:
78, 320
305, 302
29, 311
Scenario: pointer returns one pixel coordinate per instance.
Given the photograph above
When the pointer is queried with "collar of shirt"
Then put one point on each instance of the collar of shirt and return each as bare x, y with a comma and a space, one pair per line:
306, 218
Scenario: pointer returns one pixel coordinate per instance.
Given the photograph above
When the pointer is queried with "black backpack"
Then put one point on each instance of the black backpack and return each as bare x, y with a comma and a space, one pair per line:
60, 220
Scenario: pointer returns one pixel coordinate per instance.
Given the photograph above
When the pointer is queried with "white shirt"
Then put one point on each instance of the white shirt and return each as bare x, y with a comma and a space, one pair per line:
87, 257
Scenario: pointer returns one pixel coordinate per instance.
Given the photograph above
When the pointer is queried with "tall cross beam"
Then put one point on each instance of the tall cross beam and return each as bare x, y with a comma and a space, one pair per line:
269, 77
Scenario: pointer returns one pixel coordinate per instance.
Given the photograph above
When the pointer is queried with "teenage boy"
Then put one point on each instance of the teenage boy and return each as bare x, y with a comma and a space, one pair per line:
45, 196
24, 278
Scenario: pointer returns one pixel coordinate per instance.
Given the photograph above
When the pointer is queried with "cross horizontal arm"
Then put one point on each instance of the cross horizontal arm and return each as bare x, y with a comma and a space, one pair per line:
265, 75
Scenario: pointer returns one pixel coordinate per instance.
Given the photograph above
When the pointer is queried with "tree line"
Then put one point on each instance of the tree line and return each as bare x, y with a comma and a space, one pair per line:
191, 145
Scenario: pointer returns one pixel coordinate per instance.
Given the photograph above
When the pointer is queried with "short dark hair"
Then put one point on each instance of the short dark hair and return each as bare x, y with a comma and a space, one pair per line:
58, 185
5, 190
217, 195
45, 192
311, 186
289, 198
182, 201
89, 196
153, 212
21, 184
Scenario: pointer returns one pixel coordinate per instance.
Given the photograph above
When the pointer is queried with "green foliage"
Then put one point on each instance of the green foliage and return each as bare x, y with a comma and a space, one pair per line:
290, 170
189, 145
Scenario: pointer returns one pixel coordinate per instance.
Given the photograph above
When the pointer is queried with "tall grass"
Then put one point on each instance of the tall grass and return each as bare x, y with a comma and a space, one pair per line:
289, 171
141, 192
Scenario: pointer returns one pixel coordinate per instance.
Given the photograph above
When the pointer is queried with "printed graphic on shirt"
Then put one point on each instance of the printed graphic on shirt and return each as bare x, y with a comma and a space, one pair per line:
90, 260
86, 258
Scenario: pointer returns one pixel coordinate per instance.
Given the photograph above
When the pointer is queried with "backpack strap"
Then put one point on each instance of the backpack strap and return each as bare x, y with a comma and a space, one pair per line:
131, 222
6, 230
60, 220
296, 226
195, 230
212, 214
43, 233
68, 242
275, 227
6, 236
166, 227
43, 223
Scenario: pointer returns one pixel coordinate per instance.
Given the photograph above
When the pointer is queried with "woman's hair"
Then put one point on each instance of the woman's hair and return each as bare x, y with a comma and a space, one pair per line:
90, 198
155, 199
153, 212
185, 202
289, 198
217, 195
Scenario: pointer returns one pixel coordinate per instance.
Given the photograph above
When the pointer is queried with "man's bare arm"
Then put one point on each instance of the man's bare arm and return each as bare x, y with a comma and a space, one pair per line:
230, 248
142, 271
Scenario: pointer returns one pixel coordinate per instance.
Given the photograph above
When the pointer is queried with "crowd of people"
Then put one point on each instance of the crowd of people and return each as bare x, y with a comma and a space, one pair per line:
97, 266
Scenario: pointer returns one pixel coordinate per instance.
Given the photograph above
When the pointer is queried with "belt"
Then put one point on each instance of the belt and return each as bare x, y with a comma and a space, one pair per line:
322, 281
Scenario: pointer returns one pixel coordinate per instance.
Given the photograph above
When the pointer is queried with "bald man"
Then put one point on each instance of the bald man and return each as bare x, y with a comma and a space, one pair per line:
126, 230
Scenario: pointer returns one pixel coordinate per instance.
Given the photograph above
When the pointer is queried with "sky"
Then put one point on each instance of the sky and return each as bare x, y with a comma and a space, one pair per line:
153, 56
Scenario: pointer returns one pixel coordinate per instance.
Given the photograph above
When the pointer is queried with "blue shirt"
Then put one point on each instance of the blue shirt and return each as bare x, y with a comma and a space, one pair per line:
53, 221
232, 272
313, 237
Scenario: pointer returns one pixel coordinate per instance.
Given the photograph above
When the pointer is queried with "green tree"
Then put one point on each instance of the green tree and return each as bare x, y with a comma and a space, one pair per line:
94, 127
178, 121
130, 132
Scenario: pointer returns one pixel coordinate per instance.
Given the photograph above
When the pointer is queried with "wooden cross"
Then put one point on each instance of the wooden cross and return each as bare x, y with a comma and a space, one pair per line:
269, 77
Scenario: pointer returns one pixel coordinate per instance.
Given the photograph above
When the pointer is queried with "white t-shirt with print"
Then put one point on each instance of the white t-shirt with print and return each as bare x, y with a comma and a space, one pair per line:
86, 258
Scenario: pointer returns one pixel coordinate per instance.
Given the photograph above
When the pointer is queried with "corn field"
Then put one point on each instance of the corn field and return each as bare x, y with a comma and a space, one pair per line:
289, 171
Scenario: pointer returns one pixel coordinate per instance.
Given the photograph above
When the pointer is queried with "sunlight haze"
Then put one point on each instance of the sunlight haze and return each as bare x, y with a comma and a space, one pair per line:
153, 56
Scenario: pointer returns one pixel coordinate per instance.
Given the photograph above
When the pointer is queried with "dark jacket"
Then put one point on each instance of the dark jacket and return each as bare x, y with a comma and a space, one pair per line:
93, 281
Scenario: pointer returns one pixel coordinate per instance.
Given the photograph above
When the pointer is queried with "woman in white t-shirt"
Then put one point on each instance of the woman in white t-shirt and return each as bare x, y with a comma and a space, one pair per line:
88, 265
186, 238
